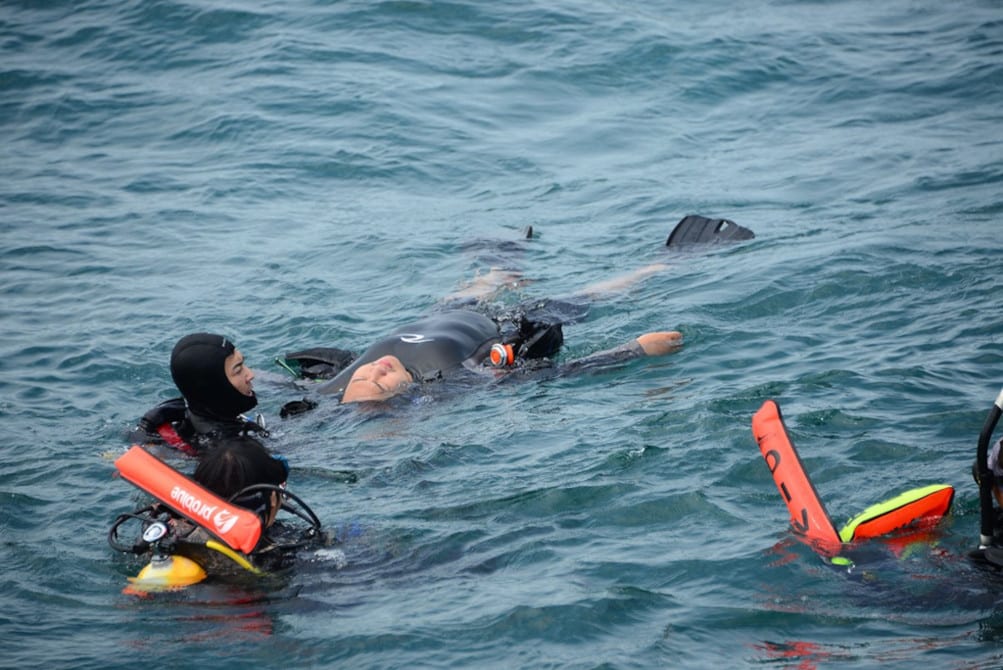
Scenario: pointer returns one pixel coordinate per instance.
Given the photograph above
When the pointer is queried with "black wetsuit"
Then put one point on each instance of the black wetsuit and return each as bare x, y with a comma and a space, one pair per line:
434, 346
429, 348
174, 424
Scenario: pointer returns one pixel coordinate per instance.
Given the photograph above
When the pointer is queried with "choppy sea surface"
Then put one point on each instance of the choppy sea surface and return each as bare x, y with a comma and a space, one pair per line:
315, 173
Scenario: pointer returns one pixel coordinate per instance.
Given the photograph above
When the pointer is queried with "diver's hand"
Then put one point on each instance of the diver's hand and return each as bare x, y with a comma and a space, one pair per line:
661, 343
294, 407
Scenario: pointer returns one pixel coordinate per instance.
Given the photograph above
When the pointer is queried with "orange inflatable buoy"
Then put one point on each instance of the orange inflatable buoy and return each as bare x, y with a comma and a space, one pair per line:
238, 527
809, 517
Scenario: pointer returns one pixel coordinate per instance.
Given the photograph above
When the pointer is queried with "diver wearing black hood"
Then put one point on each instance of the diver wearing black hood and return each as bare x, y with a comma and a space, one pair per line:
216, 389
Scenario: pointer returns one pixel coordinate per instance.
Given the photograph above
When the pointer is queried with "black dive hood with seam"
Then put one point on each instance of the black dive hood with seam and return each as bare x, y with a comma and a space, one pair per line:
198, 367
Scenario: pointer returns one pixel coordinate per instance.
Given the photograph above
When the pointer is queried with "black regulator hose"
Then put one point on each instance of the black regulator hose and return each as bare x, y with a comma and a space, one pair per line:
988, 520
300, 508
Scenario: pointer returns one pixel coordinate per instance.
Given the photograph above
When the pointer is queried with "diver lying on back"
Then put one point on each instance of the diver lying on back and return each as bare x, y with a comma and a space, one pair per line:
521, 340
220, 521
441, 344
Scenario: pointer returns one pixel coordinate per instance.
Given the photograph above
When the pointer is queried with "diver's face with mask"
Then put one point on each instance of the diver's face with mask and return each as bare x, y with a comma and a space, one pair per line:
239, 375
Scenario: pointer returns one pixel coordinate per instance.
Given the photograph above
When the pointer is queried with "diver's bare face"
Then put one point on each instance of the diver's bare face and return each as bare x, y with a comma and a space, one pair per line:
383, 378
240, 375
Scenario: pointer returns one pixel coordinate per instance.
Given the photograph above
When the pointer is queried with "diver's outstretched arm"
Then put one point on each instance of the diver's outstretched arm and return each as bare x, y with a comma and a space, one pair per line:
659, 343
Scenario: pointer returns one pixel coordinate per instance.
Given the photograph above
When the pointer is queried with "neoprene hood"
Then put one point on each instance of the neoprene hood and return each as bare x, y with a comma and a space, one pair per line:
198, 367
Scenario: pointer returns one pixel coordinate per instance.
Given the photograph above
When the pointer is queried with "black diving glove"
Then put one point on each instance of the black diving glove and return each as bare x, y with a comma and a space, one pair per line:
295, 407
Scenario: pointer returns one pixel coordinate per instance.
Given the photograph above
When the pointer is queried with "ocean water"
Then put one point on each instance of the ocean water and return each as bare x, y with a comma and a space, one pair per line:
314, 173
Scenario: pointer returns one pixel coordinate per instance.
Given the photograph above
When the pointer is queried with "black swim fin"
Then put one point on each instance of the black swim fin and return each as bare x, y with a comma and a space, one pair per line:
696, 229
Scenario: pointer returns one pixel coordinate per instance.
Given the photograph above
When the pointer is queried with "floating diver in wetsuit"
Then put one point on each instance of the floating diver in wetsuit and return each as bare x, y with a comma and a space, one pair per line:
217, 389
521, 340
440, 344
527, 338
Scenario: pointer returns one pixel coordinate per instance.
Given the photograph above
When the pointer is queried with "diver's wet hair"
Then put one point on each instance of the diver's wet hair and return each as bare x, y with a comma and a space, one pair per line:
236, 463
